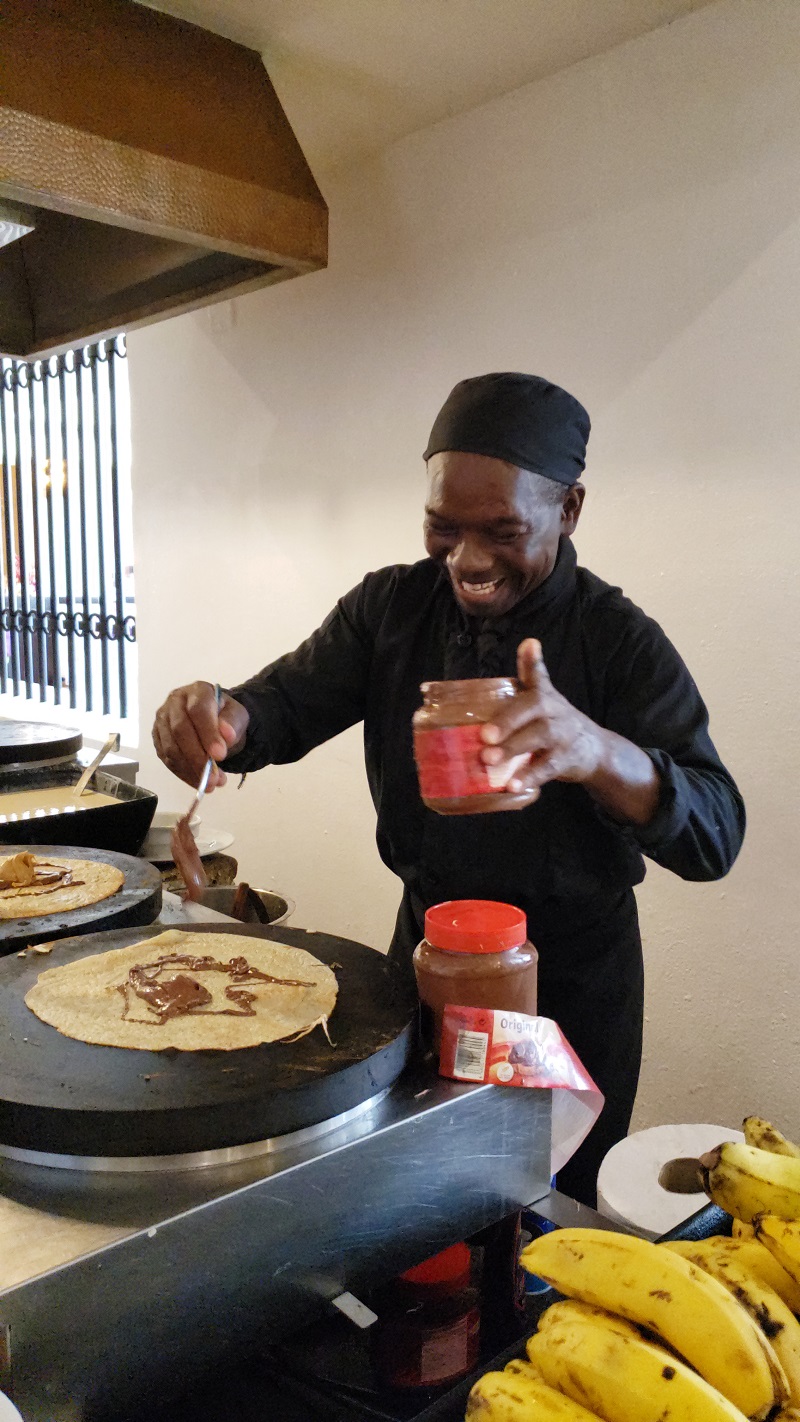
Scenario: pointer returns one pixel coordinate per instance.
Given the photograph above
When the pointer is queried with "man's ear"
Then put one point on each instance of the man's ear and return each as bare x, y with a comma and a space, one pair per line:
571, 508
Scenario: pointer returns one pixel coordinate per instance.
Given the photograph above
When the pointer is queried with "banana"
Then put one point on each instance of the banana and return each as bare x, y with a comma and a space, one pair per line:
747, 1181
782, 1239
740, 1230
765, 1136
518, 1397
523, 1368
762, 1303
604, 1363
654, 1287
751, 1256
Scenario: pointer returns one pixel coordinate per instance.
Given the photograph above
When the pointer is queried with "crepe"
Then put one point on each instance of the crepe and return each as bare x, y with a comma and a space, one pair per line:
31, 895
88, 999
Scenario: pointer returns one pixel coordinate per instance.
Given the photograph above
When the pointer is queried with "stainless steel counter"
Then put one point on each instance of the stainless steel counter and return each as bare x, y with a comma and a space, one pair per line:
209, 1262
176, 911
116, 1289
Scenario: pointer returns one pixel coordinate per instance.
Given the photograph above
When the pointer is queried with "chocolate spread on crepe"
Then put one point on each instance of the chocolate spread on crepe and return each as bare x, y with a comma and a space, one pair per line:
173, 997
182, 990
25, 871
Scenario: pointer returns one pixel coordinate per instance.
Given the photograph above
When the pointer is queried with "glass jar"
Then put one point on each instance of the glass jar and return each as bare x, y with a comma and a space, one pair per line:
428, 1329
453, 779
475, 953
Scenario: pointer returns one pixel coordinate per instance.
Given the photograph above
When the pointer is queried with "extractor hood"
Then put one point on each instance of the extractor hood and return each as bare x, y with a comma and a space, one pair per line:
146, 168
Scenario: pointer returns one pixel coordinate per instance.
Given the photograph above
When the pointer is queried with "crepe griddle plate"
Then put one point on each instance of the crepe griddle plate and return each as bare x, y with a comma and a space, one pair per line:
69, 1098
23, 741
137, 902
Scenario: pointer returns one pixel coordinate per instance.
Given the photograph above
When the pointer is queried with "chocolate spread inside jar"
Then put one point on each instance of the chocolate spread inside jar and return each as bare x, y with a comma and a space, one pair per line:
453, 779
475, 953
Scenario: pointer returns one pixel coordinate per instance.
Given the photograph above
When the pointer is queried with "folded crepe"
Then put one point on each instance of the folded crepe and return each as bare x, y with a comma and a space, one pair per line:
31, 885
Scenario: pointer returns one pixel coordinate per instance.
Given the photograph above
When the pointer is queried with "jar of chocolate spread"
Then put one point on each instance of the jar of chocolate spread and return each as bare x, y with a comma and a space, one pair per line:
428, 1329
453, 779
475, 953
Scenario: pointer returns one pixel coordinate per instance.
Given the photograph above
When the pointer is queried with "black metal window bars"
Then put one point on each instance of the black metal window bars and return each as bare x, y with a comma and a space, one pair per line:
67, 609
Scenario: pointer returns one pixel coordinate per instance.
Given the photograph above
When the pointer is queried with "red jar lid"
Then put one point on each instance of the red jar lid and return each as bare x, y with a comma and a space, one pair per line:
449, 1267
475, 926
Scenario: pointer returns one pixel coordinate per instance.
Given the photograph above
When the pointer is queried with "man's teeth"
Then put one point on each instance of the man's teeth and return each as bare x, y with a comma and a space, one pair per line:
480, 589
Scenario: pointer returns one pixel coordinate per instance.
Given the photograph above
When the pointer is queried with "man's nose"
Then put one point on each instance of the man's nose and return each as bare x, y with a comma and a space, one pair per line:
471, 558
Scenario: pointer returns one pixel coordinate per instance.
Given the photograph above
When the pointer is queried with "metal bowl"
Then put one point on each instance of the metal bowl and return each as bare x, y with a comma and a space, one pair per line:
278, 908
121, 827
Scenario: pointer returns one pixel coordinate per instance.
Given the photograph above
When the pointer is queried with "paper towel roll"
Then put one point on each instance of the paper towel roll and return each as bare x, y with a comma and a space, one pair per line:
627, 1185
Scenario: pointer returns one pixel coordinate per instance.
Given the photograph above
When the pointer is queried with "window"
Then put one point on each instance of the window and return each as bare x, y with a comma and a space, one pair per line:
67, 606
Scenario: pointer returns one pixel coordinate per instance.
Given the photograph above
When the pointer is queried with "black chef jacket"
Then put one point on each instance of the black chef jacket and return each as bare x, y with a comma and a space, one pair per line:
562, 860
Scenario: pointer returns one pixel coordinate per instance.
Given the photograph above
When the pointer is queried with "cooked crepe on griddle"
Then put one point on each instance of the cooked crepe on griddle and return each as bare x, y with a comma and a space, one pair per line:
31, 885
192, 991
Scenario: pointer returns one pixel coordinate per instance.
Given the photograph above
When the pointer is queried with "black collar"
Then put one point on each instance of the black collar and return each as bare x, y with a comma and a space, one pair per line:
557, 586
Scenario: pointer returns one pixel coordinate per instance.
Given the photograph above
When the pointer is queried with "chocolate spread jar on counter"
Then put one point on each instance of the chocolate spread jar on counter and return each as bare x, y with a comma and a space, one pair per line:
453, 779
475, 953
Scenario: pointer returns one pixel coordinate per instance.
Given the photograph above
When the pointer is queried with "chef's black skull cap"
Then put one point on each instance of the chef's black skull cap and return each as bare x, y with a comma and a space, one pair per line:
523, 419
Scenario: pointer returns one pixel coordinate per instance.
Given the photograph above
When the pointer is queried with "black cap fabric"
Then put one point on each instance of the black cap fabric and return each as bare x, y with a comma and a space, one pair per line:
522, 419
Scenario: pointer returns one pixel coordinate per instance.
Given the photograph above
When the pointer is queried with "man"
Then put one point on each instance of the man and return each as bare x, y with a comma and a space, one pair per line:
615, 728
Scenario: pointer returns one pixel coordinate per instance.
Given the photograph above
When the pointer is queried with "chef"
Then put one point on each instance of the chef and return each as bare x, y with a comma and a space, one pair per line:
615, 728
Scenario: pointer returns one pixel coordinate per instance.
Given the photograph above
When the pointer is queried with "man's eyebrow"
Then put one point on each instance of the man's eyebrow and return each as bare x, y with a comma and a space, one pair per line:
502, 522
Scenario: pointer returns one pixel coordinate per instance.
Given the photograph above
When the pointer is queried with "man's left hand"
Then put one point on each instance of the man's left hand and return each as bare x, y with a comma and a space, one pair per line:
562, 743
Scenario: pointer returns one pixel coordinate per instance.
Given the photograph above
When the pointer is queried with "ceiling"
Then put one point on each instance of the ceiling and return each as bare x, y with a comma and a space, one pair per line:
355, 75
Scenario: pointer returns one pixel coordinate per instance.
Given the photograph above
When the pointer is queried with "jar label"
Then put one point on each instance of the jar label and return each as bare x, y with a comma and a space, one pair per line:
508, 1048
451, 1351
449, 764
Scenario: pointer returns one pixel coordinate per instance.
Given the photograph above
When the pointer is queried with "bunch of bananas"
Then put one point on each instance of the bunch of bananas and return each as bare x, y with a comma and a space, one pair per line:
685, 1331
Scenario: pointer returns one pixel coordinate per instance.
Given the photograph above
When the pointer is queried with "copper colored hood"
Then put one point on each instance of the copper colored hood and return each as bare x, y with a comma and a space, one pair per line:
146, 168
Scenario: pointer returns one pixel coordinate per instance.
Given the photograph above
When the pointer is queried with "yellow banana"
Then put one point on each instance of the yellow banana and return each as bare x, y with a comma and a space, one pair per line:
607, 1365
518, 1397
654, 1287
746, 1181
761, 1133
740, 1230
751, 1256
523, 1368
782, 1239
765, 1307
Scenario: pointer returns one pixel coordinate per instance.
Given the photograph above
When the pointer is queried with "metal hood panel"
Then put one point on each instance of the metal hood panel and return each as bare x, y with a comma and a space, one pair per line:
156, 165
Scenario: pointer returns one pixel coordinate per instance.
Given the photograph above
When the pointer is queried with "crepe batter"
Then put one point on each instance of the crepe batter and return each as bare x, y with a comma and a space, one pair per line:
49, 800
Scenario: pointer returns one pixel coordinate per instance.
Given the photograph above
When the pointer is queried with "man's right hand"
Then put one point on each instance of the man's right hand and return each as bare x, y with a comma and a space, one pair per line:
189, 728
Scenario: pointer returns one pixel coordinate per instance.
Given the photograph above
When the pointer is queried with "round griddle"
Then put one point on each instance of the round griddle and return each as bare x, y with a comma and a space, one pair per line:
66, 1097
24, 741
137, 902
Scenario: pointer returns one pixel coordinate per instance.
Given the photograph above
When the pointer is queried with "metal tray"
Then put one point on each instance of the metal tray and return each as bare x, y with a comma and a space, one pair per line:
120, 827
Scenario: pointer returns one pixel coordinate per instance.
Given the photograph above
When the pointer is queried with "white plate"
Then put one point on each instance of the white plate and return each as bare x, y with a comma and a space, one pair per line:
211, 841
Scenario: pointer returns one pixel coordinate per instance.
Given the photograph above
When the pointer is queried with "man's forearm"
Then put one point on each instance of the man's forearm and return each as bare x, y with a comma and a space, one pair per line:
626, 782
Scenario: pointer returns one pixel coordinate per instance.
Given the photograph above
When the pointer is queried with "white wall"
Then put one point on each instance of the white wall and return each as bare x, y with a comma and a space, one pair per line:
630, 229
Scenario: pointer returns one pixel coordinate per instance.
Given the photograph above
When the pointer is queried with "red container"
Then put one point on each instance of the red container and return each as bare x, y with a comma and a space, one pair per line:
475, 953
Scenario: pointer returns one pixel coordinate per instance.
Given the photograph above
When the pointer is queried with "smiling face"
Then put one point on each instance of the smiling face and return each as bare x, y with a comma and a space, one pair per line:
495, 528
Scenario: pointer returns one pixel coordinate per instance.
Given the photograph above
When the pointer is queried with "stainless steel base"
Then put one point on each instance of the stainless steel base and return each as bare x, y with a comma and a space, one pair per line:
195, 1160
219, 1261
